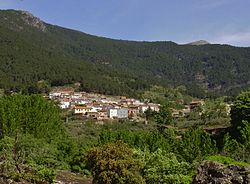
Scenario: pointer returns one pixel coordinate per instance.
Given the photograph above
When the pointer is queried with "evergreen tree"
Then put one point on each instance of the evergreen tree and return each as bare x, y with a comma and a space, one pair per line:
30, 115
240, 112
164, 116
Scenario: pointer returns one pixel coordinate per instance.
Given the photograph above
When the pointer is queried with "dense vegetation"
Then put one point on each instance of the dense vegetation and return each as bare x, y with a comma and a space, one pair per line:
31, 52
35, 144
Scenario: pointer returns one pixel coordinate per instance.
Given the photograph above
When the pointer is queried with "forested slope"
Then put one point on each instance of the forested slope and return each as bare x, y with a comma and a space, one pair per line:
31, 50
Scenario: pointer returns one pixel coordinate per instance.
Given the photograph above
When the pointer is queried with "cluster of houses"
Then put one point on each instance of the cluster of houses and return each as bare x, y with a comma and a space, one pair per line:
187, 108
100, 107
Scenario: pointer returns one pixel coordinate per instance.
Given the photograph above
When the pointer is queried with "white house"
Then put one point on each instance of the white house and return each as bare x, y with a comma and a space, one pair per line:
112, 113
65, 104
122, 113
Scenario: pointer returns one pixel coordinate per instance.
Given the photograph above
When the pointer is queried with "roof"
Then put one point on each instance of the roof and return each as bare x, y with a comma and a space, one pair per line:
82, 107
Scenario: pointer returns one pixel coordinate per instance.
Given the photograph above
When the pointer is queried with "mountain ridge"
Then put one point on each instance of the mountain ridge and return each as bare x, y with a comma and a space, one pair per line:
62, 56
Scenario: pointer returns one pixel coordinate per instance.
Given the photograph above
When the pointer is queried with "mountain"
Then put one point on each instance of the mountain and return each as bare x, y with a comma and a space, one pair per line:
200, 42
32, 50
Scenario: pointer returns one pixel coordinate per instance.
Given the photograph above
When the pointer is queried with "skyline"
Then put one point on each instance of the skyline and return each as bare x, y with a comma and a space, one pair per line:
217, 21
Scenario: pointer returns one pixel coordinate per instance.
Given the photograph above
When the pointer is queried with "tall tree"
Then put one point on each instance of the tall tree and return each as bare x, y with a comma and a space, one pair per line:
240, 112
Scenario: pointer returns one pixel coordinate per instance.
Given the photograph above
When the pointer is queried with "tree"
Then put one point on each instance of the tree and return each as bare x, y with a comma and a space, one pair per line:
213, 109
196, 144
236, 150
16, 160
150, 114
30, 115
245, 133
43, 86
240, 112
163, 167
114, 163
164, 116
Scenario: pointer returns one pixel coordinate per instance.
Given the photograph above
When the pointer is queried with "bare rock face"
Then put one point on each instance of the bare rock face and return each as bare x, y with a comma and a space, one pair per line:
200, 42
211, 172
21, 20
33, 21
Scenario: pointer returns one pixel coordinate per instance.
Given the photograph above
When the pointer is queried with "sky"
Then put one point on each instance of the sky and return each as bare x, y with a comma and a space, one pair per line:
181, 21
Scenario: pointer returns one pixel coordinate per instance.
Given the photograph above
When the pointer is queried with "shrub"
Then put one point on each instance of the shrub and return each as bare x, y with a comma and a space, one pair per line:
114, 163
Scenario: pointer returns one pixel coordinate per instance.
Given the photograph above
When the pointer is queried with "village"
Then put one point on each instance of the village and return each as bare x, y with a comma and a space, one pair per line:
100, 107
104, 107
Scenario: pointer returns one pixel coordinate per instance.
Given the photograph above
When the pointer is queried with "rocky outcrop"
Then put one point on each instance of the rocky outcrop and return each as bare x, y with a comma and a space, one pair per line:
21, 21
200, 42
33, 21
211, 172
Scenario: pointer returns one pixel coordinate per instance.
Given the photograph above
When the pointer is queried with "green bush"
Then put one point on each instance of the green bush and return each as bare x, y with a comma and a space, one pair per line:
164, 167
196, 144
114, 163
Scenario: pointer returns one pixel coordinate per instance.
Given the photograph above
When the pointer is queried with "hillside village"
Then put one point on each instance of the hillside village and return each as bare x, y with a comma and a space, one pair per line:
103, 107
100, 107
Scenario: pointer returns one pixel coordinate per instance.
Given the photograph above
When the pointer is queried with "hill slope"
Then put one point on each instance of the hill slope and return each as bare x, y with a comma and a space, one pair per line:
31, 50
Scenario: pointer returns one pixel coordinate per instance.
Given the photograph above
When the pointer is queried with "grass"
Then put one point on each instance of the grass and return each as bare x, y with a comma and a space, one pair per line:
226, 160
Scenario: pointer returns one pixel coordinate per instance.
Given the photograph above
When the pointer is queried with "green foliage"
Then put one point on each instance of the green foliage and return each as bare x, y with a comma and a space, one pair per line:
62, 56
78, 163
196, 144
175, 98
36, 150
164, 167
114, 163
150, 140
245, 133
164, 116
239, 150
6, 156
150, 114
34, 141
240, 113
225, 160
41, 173
213, 109
235, 149
32, 115
15, 163
41, 86
237, 144
153, 141
162, 156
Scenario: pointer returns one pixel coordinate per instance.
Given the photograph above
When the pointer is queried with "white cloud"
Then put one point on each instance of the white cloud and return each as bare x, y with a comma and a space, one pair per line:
236, 38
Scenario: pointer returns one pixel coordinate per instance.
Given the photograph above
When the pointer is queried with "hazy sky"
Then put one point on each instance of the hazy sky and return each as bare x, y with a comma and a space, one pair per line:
181, 21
